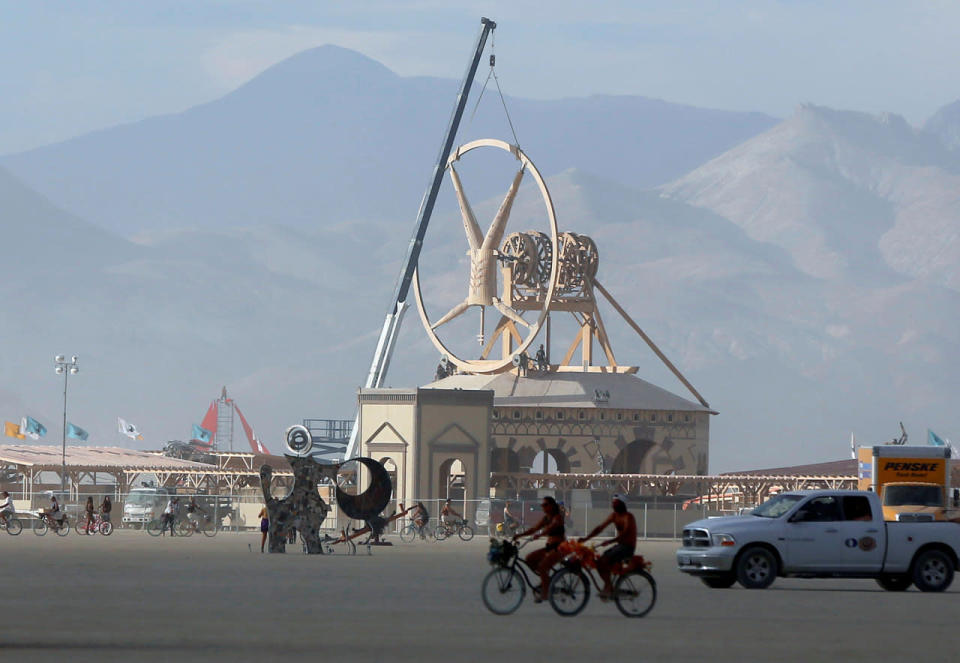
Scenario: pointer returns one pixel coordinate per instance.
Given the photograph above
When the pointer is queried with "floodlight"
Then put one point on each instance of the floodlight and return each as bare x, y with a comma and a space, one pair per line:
59, 370
74, 359
59, 358
74, 370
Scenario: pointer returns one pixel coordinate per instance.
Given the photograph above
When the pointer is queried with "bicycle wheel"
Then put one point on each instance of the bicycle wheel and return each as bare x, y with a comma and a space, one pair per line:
408, 533
80, 527
569, 592
64, 528
14, 526
635, 593
209, 528
465, 532
154, 527
106, 527
40, 528
503, 591
441, 532
184, 528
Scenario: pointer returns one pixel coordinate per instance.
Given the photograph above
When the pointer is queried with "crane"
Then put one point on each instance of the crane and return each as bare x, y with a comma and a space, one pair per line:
391, 324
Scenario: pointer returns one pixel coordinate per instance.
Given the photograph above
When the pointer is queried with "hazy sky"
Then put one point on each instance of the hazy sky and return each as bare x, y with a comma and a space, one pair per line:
70, 67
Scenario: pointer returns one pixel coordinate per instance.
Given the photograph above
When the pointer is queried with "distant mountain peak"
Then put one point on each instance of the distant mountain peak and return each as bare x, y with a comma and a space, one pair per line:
323, 66
945, 125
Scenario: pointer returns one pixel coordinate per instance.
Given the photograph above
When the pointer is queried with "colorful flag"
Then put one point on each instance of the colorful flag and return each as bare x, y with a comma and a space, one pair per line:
128, 429
32, 428
201, 434
76, 432
935, 440
11, 429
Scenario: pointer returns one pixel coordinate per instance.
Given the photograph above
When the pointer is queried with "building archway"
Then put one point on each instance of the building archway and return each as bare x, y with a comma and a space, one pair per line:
631, 457
550, 461
452, 479
504, 460
391, 467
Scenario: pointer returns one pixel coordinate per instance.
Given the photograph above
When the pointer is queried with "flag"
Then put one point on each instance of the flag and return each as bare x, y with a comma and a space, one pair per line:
935, 440
11, 429
128, 429
76, 432
201, 434
32, 428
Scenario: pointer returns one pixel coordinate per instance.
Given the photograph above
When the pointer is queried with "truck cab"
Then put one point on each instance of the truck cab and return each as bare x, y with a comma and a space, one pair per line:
143, 505
820, 534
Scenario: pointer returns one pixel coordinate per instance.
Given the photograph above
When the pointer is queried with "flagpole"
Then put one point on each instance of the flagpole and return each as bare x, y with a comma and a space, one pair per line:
66, 368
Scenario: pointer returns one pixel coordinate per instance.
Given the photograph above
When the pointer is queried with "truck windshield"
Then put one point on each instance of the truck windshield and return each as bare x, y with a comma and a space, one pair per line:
912, 496
141, 499
776, 506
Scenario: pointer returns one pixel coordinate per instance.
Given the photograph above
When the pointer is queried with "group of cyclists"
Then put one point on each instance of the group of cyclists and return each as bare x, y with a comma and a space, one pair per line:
552, 527
420, 517
194, 514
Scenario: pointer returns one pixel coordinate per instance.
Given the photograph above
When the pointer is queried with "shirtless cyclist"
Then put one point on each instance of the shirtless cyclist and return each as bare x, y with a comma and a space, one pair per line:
624, 543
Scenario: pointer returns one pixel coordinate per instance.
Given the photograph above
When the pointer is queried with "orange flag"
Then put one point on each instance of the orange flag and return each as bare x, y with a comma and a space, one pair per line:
12, 430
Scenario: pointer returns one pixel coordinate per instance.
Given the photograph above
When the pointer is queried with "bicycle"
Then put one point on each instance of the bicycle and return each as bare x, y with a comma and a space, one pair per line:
505, 586
59, 527
12, 525
506, 530
634, 589
411, 531
194, 525
100, 525
156, 527
460, 527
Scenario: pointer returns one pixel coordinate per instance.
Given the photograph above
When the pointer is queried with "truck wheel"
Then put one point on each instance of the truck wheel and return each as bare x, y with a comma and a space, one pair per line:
719, 582
932, 571
756, 568
895, 583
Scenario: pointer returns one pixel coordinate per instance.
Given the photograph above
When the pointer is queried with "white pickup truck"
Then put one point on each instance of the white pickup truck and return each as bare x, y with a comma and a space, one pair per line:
820, 534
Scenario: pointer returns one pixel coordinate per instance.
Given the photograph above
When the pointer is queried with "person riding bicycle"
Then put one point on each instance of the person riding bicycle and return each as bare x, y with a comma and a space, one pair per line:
6, 507
624, 543
54, 515
420, 518
170, 515
510, 522
542, 560
89, 513
195, 512
448, 514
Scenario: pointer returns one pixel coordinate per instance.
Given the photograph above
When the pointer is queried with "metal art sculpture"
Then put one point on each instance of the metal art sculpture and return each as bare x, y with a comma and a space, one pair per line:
303, 510
485, 254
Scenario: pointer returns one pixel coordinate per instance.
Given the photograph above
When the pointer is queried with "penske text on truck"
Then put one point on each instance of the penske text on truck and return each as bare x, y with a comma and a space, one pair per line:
912, 482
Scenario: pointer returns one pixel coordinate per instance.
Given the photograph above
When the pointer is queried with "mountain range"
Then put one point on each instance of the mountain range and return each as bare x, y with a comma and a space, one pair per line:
803, 273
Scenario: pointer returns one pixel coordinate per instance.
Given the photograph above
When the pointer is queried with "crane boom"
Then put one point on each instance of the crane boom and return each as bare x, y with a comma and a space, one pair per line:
391, 324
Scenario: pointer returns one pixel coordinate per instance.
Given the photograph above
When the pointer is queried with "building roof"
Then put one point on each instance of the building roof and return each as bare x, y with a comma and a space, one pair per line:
44, 457
573, 390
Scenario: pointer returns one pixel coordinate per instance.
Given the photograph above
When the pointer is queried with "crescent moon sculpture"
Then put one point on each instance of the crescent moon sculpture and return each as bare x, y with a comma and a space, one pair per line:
374, 499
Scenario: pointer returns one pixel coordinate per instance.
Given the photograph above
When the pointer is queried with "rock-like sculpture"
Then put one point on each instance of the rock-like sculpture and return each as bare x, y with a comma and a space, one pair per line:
304, 511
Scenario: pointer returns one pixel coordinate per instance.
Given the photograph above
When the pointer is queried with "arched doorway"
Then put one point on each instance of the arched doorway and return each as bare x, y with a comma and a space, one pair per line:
391, 468
452, 479
550, 461
504, 460
630, 459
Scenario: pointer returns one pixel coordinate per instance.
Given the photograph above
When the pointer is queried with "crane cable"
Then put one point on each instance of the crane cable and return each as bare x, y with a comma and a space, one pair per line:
496, 80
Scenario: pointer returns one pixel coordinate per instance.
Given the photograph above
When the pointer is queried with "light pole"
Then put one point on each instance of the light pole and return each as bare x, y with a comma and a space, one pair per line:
65, 368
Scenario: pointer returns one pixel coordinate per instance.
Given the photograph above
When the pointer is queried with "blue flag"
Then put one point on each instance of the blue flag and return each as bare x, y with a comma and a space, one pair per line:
201, 434
33, 428
76, 432
935, 440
